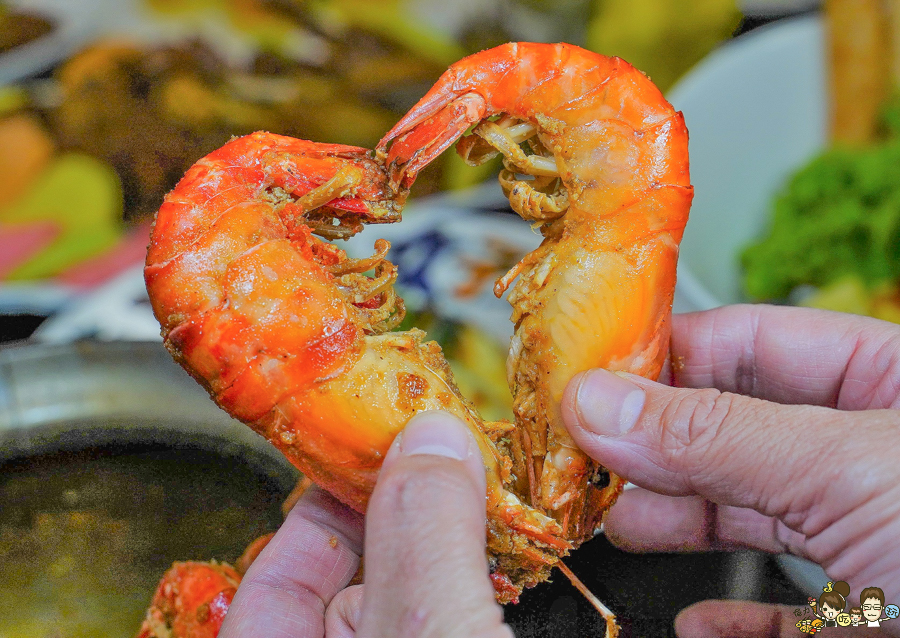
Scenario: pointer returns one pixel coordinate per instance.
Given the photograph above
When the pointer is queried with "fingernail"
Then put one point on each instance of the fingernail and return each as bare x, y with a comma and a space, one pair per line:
438, 434
607, 404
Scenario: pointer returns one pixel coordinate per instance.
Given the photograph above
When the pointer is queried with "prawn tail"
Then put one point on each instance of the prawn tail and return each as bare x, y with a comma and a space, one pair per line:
523, 547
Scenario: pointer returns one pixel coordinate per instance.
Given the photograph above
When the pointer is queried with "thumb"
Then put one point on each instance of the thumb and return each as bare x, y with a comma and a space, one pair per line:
426, 571
728, 448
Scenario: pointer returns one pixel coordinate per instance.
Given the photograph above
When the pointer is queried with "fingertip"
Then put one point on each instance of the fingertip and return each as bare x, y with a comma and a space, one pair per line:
691, 622
734, 619
437, 433
438, 436
434, 465
426, 535
604, 413
569, 405
643, 521
343, 614
603, 403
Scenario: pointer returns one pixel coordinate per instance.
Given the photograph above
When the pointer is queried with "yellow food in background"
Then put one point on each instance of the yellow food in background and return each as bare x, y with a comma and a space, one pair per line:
663, 38
12, 99
391, 20
479, 367
456, 174
258, 20
850, 294
859, 38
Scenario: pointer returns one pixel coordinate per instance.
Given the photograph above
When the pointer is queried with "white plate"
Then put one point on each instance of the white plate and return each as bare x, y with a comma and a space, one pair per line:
756, 111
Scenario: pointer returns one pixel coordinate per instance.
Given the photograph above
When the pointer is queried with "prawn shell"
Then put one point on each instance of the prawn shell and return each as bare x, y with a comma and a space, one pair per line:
340, 445
191, 601
598, 292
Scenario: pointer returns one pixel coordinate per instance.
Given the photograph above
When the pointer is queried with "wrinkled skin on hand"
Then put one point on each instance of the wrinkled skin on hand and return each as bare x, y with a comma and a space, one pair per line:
722, 462
790, 445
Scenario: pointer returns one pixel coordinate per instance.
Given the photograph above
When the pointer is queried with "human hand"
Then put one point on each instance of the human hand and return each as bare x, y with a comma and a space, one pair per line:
424, 546
796, 449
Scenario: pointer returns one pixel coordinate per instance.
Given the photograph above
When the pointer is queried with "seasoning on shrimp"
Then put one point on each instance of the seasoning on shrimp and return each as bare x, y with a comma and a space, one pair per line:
289, 335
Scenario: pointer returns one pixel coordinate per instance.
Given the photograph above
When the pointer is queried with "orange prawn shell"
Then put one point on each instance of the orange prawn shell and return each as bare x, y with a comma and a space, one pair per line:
594, 112
191, 600
341, 444
249, 308
242, 305
599, 290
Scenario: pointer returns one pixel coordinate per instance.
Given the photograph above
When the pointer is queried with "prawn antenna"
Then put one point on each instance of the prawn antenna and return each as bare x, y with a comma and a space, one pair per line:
612, 629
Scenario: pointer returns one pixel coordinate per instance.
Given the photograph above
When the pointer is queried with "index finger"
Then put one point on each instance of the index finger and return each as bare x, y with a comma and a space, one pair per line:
789, 355
288, 587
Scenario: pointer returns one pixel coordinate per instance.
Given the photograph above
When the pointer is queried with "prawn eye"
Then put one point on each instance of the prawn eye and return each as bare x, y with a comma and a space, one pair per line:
600, 478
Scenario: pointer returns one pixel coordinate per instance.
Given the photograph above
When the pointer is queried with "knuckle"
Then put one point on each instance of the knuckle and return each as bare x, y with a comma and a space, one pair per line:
692, 424
425, 502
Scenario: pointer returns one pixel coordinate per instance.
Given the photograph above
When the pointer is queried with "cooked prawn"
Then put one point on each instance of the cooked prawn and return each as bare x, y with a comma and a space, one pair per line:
596, 157
289, 335
191, 601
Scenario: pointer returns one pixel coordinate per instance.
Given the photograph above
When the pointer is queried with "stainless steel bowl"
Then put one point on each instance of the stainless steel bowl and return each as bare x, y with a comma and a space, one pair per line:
90, 393
113, 464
